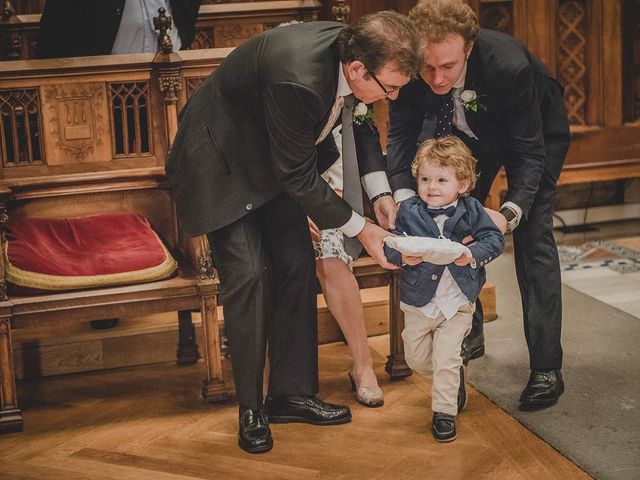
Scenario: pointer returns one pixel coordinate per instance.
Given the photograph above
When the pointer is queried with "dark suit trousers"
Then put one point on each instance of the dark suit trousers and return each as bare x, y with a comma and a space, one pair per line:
536, 253
538, 273
267, 276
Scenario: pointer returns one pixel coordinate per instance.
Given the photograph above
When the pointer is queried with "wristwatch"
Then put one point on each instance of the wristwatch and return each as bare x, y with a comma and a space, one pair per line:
511, 216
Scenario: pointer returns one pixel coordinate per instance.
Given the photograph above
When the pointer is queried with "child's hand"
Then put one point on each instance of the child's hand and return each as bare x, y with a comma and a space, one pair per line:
411, 260
463, 260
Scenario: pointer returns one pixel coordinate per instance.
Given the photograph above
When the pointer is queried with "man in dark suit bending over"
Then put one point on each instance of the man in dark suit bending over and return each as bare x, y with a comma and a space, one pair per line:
486, 88
245, 170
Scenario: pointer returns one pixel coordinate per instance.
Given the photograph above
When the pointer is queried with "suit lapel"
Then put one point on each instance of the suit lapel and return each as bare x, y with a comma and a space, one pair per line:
471, 81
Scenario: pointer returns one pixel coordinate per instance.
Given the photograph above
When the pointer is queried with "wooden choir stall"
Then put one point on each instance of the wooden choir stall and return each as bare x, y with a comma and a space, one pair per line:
89, 136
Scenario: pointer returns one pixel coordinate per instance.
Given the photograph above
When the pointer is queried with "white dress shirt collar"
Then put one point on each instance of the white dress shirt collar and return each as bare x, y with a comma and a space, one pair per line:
343, 86
461, 79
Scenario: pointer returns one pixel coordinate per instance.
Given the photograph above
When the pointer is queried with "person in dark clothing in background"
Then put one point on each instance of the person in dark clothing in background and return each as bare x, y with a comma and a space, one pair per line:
79, 28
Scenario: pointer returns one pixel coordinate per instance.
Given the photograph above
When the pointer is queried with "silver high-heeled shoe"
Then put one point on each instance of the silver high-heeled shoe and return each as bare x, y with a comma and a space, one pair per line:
369, 397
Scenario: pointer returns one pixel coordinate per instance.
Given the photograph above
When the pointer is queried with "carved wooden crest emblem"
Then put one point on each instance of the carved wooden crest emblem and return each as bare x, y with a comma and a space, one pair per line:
75, 118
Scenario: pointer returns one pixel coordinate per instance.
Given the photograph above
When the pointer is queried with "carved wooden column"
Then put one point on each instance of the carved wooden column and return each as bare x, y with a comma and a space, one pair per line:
10, 415
11, 40
213, 387
396, 367
4, 218
167, 65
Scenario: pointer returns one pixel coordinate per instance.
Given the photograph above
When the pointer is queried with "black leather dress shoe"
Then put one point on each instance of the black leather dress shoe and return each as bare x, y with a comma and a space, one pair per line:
255, 435
462, 392
543, 389
306, 409
472, 347
443, 427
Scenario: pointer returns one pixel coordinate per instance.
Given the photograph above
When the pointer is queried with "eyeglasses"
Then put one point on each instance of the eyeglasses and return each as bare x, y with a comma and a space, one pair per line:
386, 91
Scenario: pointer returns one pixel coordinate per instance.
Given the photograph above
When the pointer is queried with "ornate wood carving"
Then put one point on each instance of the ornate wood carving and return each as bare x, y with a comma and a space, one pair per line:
341, 11
4, 218
75, 121
497, 16
203, 39
233, 35
7, 10
193, 83
20, 127
163, 23
130, 110
11, 46
572, 58
170, 85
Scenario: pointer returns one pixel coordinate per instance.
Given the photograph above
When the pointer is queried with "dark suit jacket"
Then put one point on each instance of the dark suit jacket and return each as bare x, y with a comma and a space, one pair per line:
522, 126
249, 132
77, 28
419, 282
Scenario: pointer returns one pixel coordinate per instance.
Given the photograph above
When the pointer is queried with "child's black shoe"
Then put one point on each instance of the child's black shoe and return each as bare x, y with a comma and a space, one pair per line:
443, 427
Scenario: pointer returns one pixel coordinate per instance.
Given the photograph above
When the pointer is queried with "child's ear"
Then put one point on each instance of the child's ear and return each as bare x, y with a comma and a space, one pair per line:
463, 187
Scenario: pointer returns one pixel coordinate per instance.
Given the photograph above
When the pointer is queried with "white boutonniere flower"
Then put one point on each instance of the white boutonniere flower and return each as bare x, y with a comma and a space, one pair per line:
469, 99
362, 114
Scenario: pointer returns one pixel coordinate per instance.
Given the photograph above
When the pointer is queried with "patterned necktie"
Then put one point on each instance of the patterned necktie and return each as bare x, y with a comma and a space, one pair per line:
434, 212
352, 190
333, 116
445, 116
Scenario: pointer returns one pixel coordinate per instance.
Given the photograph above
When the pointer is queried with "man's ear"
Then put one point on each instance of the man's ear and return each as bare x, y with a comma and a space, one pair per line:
354, 70
468, 50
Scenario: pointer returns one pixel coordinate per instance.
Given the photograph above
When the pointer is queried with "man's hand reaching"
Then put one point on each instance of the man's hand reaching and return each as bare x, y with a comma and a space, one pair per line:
372, 239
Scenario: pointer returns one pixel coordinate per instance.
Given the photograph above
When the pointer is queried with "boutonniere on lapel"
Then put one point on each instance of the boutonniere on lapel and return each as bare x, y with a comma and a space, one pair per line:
362, 114
469, 99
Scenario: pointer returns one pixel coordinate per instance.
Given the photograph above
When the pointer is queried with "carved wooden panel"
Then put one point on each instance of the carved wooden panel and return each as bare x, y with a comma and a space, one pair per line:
572, 57
76, 122
202, 39
497, 16
631, 60
193, 83
131, 125
20, 127
234, 34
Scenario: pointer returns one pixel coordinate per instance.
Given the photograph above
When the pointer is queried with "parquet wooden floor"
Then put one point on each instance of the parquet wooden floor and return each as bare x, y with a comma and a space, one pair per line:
150, 423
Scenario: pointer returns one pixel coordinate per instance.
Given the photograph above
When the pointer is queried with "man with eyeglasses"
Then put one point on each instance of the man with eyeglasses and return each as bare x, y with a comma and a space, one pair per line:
245, 170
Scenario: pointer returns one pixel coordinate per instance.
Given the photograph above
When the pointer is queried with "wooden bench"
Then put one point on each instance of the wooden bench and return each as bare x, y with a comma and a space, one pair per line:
63, 155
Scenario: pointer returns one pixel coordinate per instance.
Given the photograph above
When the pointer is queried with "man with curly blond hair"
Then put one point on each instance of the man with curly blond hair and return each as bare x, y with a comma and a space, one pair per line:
487, 88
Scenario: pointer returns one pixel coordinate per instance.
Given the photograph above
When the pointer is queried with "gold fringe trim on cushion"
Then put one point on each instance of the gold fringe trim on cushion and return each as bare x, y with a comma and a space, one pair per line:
43, 281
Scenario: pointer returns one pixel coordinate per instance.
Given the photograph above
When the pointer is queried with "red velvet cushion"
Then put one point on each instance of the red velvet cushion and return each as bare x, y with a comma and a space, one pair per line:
54, 254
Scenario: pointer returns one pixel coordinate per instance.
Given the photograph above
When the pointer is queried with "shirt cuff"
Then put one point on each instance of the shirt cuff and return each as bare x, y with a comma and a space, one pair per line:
402, 194
354, 226
515, 208
375, 183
